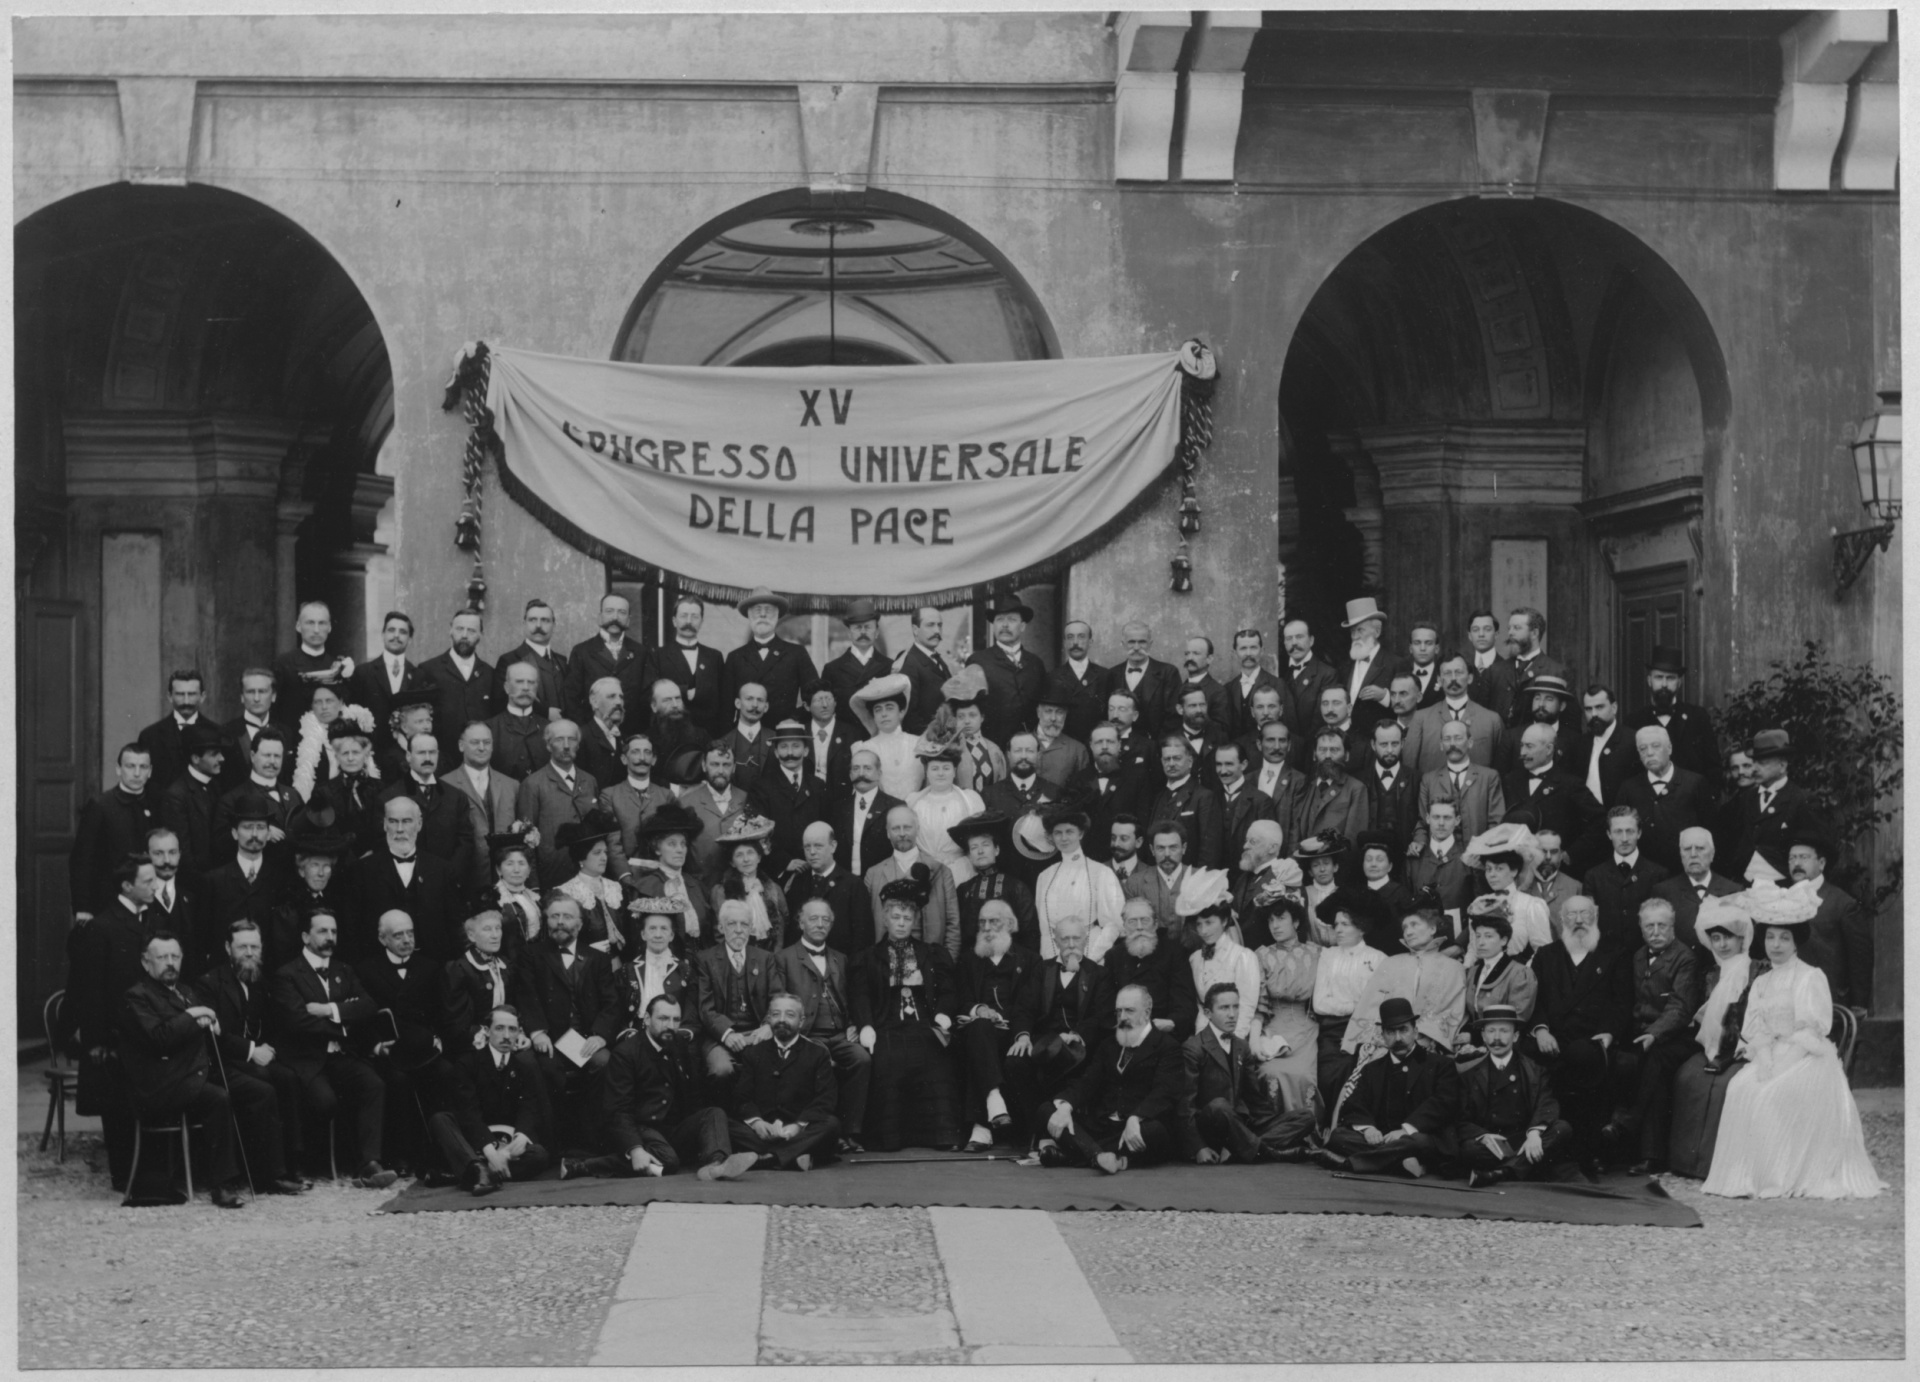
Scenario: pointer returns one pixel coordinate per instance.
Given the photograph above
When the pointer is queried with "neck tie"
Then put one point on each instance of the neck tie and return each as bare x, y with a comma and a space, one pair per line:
1659, 788
1533, 784
1625, 867
1459, 780
1206, 952
1701, 889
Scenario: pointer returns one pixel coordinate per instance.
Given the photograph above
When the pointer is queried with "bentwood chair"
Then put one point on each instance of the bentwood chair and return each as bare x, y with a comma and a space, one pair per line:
1845, 1035
175, 1124
61, 1074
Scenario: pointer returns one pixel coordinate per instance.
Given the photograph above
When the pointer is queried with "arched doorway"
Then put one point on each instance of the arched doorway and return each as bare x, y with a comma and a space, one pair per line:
875, 279
1500, 403
202, 398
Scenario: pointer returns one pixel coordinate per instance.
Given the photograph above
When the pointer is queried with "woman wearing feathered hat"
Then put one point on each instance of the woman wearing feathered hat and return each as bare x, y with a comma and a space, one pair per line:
744, 842
661, 883
943, 803
1507, 855
880, 706
1205, 902
589, 842
1790, 1125
903, 999
1495, 977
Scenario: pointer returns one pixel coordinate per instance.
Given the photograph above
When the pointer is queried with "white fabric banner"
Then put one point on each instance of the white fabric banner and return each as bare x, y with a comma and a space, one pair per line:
870, 480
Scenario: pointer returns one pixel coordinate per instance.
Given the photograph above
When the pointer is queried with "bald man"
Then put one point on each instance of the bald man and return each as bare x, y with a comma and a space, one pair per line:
1548, 797
1668, 797
823, 878
1695, 883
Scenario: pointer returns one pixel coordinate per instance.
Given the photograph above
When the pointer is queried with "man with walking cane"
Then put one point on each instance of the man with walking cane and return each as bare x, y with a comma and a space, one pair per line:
236, 990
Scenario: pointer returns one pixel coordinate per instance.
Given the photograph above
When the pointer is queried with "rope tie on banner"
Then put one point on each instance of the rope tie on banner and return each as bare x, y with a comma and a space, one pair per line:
468, 388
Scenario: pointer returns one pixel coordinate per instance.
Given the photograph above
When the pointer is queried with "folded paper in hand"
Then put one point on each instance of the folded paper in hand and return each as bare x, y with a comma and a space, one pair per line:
573, 1046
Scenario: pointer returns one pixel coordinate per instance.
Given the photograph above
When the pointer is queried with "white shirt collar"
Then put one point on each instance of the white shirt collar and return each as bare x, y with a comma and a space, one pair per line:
860, 655
315, 962
465, 664
479, 777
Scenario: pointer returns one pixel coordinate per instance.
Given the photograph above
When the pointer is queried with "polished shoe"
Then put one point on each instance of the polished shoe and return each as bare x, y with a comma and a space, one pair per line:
1479, 1179
1110, 1164
1299, 1152
850, 1146
1051, 1155
1327, 1157
803, 1162
286, 1185
226, 1197
374, 1176
974, 1144
731, 1168
485, 1184
1411, 1165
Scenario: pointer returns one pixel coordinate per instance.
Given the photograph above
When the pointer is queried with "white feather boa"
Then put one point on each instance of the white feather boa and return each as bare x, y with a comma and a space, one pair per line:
314, 742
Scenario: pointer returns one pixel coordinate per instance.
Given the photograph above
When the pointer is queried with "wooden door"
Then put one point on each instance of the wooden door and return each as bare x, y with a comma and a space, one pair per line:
1652, 609
51, 794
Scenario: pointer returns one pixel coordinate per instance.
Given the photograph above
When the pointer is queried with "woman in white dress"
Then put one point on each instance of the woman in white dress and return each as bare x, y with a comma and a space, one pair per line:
1507, 855
1287, 1040
943, 804
1790, 1126
1340, 976
879, 707
602, 903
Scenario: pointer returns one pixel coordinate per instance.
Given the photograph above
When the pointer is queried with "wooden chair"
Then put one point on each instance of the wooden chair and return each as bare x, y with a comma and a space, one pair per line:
170, 1125
1845, 1035
61, 1075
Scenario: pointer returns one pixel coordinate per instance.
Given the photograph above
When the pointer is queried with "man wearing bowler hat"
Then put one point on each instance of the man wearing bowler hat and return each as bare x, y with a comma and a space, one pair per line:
1369, 669
788, 795
861, 662
1509, 1125
1016, 676
987, 838
1769, 813
1395, 1110
1695, 749
778, 664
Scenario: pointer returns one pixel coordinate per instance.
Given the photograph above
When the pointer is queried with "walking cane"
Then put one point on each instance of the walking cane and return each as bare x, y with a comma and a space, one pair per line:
238, 1141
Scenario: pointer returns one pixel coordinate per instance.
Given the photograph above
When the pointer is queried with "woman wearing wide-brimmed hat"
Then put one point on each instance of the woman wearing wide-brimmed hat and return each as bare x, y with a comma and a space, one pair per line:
743, 843
943, 803
662, 878
903, 1003
1434, 983
589, 843
880, 706
1495, 977
1507, 856
521, 916
1724, 926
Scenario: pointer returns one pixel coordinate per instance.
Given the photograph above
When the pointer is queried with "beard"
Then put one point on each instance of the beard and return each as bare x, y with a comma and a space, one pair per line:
1664, 697
248, 971
1142, 945
1543, 716
1131, 1032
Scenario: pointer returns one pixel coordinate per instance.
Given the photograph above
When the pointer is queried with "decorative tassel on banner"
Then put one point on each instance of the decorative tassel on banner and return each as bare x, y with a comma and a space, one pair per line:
1182, 582
468, 388
1201, 373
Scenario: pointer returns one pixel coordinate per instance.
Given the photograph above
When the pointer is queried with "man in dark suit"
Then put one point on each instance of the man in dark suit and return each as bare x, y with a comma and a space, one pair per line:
188, 806
1369, 669
1490, 672
653, 1118
377, 681
992, 974
859, 817
830, 735
1509, 1125
265, 783
612, 654
732, 985
536, 650
1066, 1004
307, 665
1303, 676
447, 829
1333, 800
1156, 963
554, 795
1623, 880
1079, 683
1584, 1005
922, 665
168, 1069
1194, 805
1106, 788
565, 990
403, 1035
399, 876
1138, 749
1553, 799
1696, 747
1548, 700
1666, 995
519, 730
679, 745
250, 884
472, 985
1196, 666
602, 733
635, 794
858, 663
1398, 1107
816, 974
696, 669
1772, 811
1227, 1110
235, 988
257, 711
1605, 756
747, 739
499, 1115
1695, 883
318, 1001
104, 964
1196, 725
1669, 798
1016, 677
1123, 1106
1240, 804
1423, 662
164, 739
462, 680
1527, 635
1236, 701
1022, 789
1842, 929
778, 664
824, 879
1438, 861
784, 1095
1393, 788
178, 906
1273, 775
113, 827
1153, 684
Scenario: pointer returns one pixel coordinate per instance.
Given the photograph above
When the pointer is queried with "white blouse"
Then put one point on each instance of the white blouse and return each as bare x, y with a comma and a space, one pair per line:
1342, 977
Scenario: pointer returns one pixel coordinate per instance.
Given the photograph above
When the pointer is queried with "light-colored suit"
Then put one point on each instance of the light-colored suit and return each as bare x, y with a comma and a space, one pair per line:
544, 802
1480, 801
1146, 881
705, 858
630, 808
940, 922
1422, 751
490, 817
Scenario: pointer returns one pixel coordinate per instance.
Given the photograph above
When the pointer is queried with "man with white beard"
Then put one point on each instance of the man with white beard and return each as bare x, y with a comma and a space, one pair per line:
1146, 960
1584, 1005
1123, 1106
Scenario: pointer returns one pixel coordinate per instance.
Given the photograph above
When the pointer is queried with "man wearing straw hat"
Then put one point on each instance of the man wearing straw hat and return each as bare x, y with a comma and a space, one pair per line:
778, 664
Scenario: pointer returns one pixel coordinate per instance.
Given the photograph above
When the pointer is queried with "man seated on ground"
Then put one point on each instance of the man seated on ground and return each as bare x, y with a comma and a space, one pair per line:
784, 1094
1395, 1108
499, 1111
1509, 1125
652, 1116
1157, 964
168, 1069
817, 975
991, 979
732, 987
1065, 1006
236, 991
1124, 1105
1666, 995
318, 1001
1228, 1111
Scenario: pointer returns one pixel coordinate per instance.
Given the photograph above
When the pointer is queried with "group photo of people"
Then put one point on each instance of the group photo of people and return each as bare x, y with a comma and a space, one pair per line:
1392, 908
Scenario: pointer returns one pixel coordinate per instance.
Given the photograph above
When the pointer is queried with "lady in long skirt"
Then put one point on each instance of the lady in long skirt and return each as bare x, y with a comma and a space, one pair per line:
1341, 975
1700, 1085
1287, 1040
903, 1001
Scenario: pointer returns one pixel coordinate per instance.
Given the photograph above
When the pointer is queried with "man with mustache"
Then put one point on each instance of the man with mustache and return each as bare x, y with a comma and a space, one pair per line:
692, 666
779, 665
1396, 1108
499, 1113
1509, 1125
376, 682
462, 680
923, 665
601, 734
519, 730
1106, 789
1197, 665
1237, 702
612, 654
1333, 800
1696, 748
1156, 963
822, 879
1122, 1107
552, 796
536, 650
993, 972
1668, 797
1016, 677
1473, 789
784, 1093
1079, 683
1545, 700
1422, 750
1583, 1005
236, 991
859, 819
1605, 757
859, 663
1151, 683
817, 975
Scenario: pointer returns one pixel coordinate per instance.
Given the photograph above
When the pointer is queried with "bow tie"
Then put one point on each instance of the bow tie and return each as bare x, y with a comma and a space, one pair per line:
813, 950
1626, 869
1659, 789
1206, 952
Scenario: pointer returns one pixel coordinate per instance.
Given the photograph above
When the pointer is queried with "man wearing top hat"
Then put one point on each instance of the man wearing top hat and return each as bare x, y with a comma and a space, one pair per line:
1695, 746
612, 654
778, 664
691, 665
1509, 1125
1772, 811
859, 663
1396, 1109
987, 838
1016, 677
789, 796
924, 668
1369, 669
250, 883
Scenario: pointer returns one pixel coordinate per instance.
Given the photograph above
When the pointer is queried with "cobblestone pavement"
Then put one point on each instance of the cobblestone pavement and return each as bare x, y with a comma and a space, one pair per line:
323, 1281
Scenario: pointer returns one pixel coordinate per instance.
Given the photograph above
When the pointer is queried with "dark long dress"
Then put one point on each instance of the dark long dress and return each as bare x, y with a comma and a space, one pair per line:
1699, 1094
913, 1099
